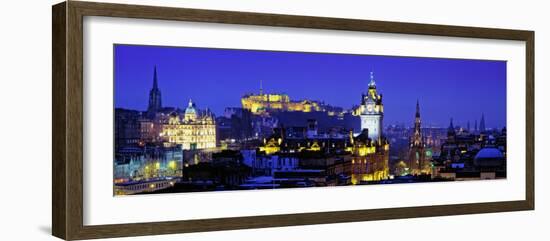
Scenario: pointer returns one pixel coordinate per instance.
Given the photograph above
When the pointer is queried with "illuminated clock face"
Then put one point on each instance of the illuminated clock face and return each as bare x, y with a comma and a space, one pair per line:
370, 108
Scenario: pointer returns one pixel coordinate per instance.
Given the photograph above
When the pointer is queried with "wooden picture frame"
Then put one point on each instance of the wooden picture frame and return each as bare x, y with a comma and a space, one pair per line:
67, 124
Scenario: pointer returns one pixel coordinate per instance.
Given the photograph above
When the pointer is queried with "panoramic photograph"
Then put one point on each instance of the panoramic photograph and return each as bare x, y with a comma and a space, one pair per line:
190, 119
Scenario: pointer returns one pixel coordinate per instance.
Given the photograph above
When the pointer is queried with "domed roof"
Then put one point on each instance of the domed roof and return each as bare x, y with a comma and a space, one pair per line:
489, 156
190, 108
489, 152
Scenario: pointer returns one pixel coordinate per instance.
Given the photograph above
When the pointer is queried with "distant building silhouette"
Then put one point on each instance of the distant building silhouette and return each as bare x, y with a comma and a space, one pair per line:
482, 123
155, 100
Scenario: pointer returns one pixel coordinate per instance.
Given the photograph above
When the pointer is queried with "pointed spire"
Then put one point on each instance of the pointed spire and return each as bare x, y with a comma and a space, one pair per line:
451, 129
190, 103
372, 83
155, 100
261, 87
155, 81
417, 108
482, 122
417, 139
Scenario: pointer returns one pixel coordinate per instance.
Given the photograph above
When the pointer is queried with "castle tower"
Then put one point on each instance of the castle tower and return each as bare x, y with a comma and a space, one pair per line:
372, 111
155, 102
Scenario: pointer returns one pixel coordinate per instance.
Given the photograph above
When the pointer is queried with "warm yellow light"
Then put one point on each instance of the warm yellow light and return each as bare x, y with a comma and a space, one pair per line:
269, 149
315, 147
172, 164
364, 150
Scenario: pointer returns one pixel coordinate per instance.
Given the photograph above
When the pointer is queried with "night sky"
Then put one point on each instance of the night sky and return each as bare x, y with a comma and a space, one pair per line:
217, 78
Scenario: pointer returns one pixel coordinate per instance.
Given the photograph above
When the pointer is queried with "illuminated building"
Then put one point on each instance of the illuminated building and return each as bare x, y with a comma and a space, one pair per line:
145, 163
371, 111
192, 131
359, 158
370, 148
262, 103
142, 187
370, 159
418, 162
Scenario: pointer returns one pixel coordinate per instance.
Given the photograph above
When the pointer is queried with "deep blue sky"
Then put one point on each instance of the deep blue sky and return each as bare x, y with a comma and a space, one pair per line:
217, 78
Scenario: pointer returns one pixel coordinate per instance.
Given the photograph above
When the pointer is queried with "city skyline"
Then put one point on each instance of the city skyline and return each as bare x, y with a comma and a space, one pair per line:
218, 78
320, 121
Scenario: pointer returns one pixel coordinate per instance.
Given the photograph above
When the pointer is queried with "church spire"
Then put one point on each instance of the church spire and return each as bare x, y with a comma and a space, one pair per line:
155, 81
417, 162
417, 136
417, 109
155, 100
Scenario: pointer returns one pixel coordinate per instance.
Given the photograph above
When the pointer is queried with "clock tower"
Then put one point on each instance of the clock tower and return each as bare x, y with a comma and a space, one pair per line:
371, 111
